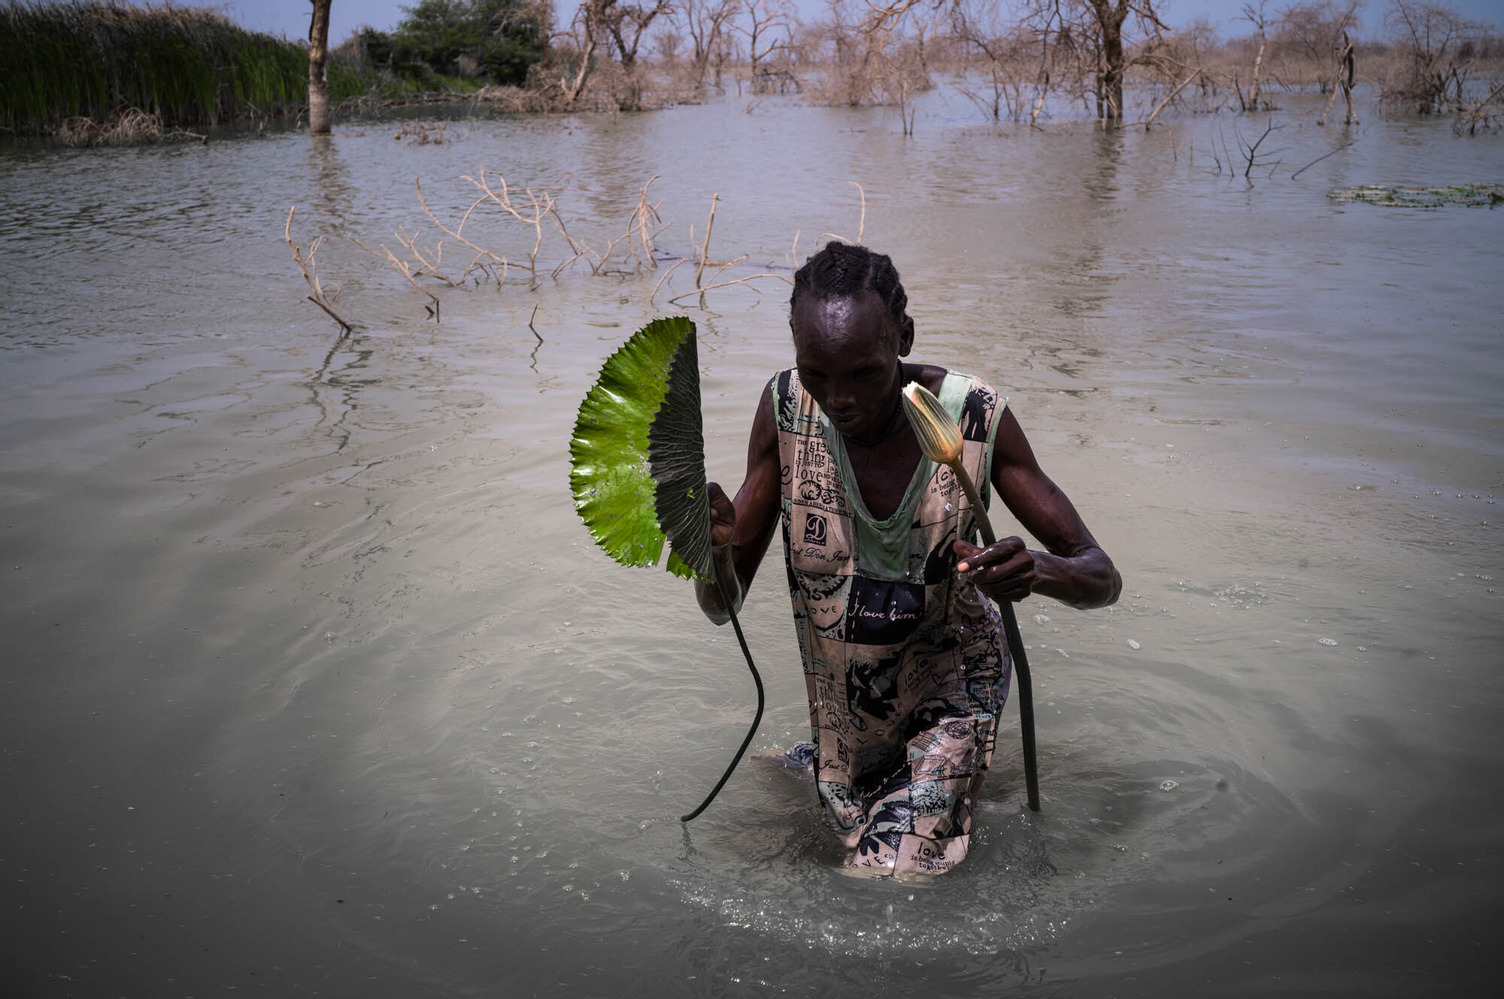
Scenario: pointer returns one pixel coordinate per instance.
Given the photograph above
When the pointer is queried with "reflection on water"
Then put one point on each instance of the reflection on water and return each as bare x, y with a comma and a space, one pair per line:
335, 386
334, 196
314, 676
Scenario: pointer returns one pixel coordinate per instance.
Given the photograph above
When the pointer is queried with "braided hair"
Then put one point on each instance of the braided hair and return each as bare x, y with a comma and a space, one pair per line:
843, 270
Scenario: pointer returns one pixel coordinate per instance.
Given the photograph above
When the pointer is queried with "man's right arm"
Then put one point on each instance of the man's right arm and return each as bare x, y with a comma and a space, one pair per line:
742, 528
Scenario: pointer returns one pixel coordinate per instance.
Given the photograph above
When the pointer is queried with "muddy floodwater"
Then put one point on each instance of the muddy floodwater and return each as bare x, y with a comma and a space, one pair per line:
313, 684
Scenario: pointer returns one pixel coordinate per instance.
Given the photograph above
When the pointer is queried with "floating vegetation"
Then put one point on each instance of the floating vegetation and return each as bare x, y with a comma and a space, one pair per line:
423, 133
1472, 195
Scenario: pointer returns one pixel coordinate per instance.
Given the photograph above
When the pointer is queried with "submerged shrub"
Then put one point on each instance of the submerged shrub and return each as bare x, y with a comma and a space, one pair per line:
127, 128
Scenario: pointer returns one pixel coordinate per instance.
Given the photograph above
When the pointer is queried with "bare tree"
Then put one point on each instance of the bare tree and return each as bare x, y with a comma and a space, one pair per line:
318, 75
1485, 112
886, 66
1343, 82
1097, 39
925, 28
1254, 14
624, 25
613, 25
708, 22
1312, 30
1103, 38
1435, 42
667, 45
627, 23
982, 28
1176, 61
764, 19
844, 43
586, 28
1107, 21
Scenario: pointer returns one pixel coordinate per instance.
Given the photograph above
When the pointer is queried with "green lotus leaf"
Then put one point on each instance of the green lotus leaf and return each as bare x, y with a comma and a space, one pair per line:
676, 455
637, 457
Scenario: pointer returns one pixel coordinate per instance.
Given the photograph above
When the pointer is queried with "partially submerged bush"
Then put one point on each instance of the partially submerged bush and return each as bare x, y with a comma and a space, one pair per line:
491, 40
356, 80
1435, 59
129, 127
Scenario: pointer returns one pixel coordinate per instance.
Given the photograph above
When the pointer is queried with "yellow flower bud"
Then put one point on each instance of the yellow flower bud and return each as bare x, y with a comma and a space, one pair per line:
940, 439
939, 436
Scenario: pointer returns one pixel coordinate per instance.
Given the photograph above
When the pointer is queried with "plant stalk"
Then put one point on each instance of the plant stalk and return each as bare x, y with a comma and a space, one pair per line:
1015, 646
756, 720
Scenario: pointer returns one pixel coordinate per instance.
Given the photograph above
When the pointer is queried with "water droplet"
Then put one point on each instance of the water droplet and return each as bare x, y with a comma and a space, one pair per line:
1169, 785
1327, 641
1132, 644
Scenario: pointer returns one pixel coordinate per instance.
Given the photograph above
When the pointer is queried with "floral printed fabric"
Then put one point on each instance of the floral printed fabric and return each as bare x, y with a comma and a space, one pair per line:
905, 662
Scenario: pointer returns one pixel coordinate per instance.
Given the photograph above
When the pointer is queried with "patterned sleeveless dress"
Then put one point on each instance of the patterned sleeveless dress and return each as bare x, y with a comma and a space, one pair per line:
905, 661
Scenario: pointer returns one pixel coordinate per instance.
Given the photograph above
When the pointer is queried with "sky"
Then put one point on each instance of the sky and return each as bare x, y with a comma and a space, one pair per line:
290, 17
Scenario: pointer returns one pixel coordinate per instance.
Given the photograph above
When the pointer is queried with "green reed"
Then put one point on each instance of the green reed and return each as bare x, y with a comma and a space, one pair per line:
96, 59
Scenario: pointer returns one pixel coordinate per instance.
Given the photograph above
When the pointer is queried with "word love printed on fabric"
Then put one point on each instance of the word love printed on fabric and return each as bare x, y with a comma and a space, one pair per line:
904, 664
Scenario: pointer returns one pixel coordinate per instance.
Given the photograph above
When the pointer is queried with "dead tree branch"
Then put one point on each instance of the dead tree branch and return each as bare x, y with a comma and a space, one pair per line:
309, 266
1149, 121
705, 247
861, 225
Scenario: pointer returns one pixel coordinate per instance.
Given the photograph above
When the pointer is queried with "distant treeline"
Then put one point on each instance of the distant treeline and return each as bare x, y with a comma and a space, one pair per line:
76, 68
80, 69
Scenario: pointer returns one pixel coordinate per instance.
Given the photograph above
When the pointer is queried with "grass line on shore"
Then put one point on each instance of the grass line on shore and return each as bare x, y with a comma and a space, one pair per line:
95, 60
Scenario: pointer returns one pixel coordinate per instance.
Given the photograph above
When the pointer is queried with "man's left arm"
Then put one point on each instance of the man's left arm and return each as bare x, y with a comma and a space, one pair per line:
1073, 569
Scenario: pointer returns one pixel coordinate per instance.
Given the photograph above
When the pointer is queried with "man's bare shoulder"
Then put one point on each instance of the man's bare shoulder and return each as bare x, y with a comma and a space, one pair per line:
764, 436
931, 376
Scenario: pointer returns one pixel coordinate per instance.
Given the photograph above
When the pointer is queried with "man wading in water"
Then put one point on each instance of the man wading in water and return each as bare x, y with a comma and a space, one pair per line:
904, 656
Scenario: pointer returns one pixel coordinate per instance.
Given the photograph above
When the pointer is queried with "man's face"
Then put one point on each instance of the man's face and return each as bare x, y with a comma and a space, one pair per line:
847, 351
